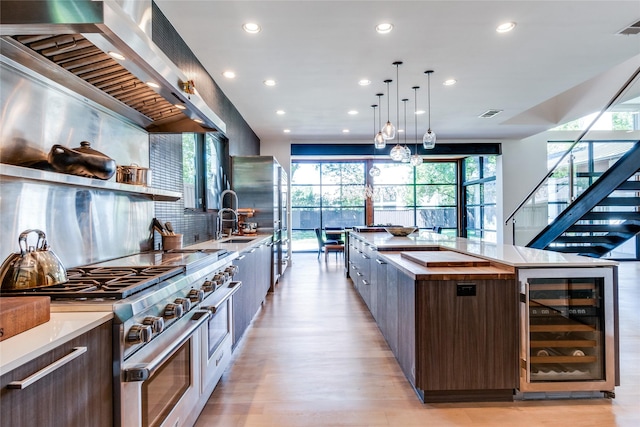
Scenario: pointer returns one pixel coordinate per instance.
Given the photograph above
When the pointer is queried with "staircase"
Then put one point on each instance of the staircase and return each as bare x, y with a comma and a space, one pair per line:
603, 217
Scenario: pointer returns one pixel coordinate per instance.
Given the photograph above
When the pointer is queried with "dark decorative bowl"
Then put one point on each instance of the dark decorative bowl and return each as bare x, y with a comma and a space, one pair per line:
401, 231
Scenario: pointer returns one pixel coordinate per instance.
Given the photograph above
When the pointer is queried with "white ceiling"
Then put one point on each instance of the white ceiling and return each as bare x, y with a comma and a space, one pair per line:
317, 51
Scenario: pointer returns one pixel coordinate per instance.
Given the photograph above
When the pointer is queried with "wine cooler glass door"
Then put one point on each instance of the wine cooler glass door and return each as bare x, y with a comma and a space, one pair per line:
568, 330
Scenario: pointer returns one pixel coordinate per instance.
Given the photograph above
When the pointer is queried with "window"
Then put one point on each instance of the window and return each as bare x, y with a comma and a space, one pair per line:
325, 194
202, 170
480, 198
191, 166
331, 194
424, 196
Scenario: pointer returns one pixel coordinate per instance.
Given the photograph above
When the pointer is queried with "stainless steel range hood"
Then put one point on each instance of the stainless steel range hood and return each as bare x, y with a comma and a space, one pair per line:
72, 42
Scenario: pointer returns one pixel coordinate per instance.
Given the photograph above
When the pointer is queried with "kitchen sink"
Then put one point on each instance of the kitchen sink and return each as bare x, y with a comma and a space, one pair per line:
237, 240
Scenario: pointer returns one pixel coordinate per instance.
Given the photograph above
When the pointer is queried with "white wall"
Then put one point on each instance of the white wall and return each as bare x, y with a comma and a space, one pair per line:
522, 165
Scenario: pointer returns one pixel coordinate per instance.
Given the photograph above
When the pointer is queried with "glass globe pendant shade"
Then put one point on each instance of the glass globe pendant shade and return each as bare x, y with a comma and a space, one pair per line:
379, 141
429, 139
374, 171
397, 153
406, 154
416, 160
388, 131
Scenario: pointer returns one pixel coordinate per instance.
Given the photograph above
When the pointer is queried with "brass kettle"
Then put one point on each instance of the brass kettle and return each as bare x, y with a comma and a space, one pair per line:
34, 267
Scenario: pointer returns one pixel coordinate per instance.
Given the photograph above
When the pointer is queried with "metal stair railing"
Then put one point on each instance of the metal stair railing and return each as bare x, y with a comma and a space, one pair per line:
557, 189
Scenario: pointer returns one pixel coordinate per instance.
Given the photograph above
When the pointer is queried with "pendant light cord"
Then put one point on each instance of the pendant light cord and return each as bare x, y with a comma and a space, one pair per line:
397, 64
415, 113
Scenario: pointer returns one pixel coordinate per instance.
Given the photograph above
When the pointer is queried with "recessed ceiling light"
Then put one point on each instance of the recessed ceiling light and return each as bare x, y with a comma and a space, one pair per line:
384, 28
352, 112
251, 27
116, 55
418, 112
364, 82
153, 85
280, 112
229, 74
198, 121
180, 107
506, 27
269, 82
287, 131
400, 130
449, 82
345, 130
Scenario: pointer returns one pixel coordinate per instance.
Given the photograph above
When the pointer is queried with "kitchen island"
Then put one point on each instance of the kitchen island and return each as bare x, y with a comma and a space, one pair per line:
473, 321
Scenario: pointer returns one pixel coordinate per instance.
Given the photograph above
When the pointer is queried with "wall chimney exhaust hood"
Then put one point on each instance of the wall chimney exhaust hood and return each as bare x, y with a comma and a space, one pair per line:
75, 43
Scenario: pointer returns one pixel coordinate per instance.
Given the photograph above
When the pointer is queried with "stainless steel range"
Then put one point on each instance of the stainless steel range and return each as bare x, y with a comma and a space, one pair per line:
172, 328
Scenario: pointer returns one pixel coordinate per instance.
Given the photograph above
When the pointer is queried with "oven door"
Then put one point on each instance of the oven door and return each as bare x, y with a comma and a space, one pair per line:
160, 384
217, 336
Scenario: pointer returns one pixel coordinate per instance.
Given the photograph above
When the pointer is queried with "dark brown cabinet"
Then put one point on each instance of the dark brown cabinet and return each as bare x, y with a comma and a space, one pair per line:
78, 393
254, 270
468, 339
454, 339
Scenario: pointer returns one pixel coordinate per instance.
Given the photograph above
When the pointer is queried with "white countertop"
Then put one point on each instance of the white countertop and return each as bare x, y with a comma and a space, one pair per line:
240, 243
61, 328
514, 256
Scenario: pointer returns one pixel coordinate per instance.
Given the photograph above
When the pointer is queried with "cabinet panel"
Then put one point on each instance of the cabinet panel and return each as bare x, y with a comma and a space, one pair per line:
407, 326
392, 308
79, 393
469, 335
381, 295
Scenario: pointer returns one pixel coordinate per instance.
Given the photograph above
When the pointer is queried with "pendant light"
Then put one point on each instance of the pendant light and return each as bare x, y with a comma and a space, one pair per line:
398, 153
406, 151
389, 130
379, 141
429, 138
375, 171
416, 159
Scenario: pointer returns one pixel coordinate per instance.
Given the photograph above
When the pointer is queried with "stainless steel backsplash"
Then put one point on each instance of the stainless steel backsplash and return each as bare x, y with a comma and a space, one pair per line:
82, 225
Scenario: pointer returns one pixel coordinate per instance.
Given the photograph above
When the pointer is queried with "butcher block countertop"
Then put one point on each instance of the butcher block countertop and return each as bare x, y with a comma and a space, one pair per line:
446, 265
61, 328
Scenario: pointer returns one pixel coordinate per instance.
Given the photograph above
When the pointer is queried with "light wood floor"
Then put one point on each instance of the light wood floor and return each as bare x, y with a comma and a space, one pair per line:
315, 357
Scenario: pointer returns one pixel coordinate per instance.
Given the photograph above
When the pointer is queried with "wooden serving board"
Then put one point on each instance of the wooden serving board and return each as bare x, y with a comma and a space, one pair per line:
18, 314
444, 259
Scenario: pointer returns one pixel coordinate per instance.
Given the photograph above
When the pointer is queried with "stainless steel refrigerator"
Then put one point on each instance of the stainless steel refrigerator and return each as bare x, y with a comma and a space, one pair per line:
261, 184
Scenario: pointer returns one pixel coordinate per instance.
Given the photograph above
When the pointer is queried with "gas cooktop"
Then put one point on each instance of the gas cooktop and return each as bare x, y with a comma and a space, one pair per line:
122, 277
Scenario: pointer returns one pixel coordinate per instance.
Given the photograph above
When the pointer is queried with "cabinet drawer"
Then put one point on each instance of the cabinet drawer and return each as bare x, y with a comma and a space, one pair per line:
78, 393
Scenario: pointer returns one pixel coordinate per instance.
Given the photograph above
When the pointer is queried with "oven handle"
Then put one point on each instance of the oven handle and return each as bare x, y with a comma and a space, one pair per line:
143, 372
231, 289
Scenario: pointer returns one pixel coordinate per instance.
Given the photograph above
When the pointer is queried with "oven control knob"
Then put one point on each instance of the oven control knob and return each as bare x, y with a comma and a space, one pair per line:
172, 310
196, 295
231, 270
139, 334
186, 304
156, 323
208, 286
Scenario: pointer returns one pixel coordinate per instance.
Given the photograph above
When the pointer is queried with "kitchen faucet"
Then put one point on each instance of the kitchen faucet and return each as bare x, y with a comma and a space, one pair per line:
221, 220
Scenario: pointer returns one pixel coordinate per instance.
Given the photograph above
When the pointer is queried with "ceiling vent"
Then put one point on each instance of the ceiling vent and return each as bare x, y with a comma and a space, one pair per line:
631, 29
489, 114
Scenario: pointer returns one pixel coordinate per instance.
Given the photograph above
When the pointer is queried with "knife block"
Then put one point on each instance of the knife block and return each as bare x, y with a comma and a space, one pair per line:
172, 242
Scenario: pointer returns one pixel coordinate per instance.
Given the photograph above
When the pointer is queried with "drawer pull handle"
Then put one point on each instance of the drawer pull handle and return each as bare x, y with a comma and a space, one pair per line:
20, 385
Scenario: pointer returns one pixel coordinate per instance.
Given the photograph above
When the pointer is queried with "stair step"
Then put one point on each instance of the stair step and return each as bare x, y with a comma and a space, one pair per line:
581, 250
606, 240
629, 186
605, 228
620, 201
610, 216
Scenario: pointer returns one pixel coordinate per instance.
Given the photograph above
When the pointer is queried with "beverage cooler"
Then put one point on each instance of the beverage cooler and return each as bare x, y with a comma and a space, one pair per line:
567, 331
